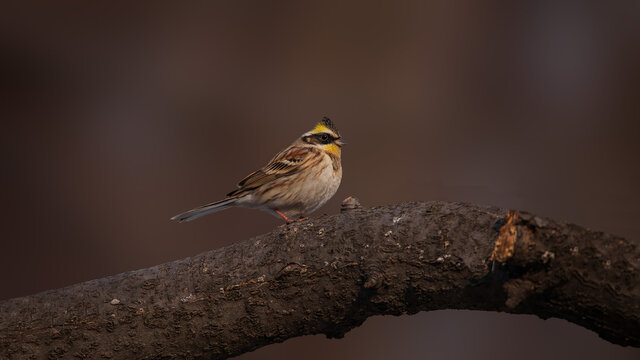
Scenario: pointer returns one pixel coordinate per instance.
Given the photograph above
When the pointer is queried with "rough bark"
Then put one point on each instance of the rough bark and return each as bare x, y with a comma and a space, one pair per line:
327, 275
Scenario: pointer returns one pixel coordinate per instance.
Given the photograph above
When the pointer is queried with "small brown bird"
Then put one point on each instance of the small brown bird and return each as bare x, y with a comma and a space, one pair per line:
296, 182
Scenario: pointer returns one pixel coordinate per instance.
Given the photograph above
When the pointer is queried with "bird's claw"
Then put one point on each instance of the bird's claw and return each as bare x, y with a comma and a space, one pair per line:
289, 221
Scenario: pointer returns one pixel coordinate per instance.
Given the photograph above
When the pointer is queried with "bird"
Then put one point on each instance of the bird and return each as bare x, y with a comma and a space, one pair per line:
296, 182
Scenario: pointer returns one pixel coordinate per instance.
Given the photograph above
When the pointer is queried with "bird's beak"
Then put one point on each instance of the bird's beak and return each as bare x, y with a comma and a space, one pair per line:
340, 142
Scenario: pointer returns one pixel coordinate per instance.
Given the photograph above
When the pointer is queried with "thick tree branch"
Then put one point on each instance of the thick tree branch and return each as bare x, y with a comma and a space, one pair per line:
327, 275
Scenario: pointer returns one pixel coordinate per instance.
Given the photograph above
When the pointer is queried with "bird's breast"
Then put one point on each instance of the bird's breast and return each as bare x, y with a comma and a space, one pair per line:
320, 187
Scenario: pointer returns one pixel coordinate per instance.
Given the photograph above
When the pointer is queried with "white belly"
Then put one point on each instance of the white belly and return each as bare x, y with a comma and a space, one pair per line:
301, 194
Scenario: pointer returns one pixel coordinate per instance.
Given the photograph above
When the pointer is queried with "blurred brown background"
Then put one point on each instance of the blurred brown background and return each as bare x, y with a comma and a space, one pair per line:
116, 116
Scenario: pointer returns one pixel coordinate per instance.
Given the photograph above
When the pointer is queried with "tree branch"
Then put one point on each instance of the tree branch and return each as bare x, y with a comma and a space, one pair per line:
327, 275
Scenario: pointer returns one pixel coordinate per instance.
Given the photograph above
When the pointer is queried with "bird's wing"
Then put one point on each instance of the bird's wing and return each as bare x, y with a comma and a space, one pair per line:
285, 163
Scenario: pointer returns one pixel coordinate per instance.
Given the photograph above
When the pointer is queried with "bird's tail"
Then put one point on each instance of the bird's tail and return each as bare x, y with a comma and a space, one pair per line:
204, 210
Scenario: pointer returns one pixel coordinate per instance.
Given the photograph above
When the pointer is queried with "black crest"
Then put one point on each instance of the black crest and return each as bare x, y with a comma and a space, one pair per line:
328, 123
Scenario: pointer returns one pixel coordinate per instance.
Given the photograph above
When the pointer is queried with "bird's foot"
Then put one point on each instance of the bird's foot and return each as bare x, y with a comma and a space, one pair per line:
289, 221
285, 218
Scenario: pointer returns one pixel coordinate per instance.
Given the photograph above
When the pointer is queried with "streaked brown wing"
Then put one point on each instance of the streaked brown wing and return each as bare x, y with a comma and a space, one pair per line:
285, 163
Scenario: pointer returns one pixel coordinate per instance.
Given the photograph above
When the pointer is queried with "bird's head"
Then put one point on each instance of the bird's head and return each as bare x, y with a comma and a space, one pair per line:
325, 135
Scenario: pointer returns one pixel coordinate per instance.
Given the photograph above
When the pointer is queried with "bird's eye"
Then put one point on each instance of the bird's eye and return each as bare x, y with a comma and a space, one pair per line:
324, 137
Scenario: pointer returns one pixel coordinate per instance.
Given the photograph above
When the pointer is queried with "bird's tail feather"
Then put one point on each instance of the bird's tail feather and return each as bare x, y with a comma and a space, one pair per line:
204, 210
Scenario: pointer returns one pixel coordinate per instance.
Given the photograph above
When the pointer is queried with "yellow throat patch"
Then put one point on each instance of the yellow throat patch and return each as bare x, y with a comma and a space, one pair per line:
332, 148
